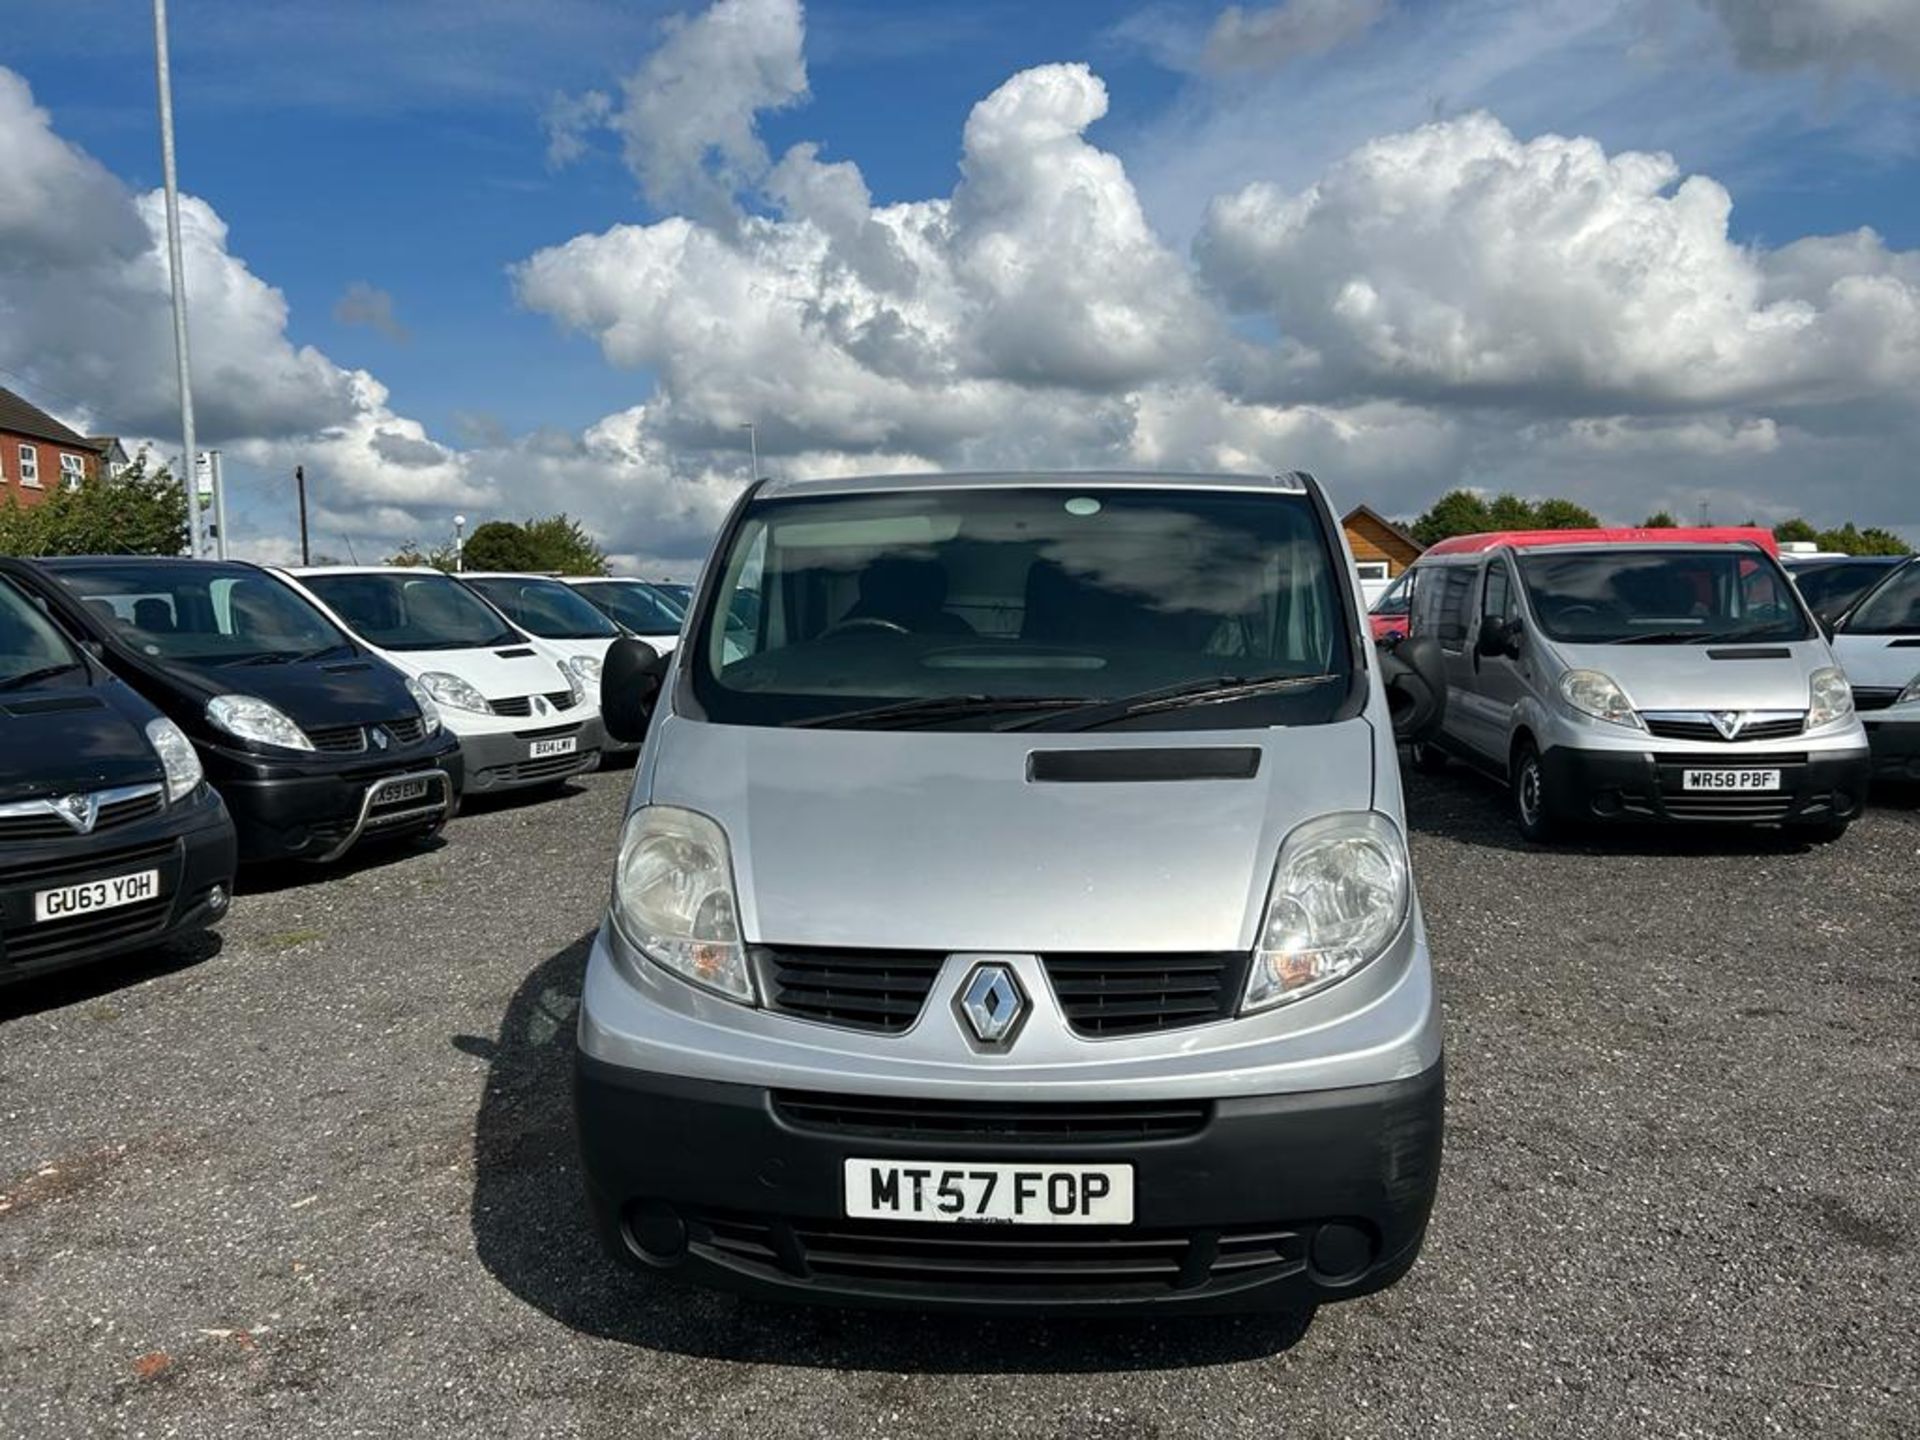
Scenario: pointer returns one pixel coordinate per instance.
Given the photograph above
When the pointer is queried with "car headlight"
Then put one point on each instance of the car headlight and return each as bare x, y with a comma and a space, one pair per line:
585, 667
452, 690
1831, 696
574, 687
248, 717
177, 757
1340, 893
1594, 693
673, 899
429, 712
1911, 694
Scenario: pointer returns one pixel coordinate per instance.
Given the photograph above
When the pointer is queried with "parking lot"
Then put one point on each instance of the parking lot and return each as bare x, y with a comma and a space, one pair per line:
319, 1179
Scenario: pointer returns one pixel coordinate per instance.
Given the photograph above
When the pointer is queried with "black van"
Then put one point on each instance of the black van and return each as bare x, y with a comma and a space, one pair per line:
315, 742
110, 839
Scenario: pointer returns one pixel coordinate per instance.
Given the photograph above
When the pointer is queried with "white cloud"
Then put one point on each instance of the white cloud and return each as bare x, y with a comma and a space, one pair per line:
1831, 35
1270, 36
1456, 261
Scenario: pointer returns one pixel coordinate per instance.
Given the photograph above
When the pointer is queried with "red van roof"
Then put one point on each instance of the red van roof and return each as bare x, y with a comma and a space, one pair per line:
1629, 535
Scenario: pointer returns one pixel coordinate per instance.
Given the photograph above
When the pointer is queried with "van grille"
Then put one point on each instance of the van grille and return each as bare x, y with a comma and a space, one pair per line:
1682, 726
111, 815
880, 990
907, 1117
1114, 995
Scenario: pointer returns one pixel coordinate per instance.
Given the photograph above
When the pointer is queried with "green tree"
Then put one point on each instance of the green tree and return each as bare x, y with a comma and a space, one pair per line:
1458, 512
557, 545
1563, 515
1795, 529
1875, 541
439, 558
133, 513
1510, 512
1659, 520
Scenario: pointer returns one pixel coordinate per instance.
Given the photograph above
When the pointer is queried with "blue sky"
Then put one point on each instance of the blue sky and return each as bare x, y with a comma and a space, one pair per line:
399, 144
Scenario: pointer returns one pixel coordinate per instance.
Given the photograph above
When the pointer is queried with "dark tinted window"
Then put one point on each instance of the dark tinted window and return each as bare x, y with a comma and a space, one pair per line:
205, 613
1893, 609
635, 605
411, 611
1830, 589
1454, 591
1668, 596
29, 643
545, 607
1077, 594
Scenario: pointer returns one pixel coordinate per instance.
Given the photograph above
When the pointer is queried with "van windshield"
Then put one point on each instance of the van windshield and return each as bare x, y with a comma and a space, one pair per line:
637, 606
1893, 609
203, 613
31, 649
545, 607
1022, 598
1661, 596
412, 612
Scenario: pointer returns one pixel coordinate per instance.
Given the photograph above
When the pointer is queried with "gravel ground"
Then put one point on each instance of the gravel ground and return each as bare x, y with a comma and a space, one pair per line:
317, 1178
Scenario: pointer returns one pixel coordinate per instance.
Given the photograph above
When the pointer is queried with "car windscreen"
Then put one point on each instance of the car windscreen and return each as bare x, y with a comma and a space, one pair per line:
1024, 595
545, 608
1893, 609
634, 605
1397, 598
1661, 596
1830, 589
411, 612
203, 613
31, 647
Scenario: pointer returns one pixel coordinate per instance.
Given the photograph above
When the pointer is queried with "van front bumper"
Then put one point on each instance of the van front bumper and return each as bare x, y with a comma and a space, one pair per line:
504, 760
1637, 787
1263, 1202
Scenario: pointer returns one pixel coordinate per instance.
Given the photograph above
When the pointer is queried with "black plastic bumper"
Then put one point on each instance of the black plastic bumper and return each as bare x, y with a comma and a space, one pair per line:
304, 810
1584, 786
190, 844
1896, 749
1271, 1202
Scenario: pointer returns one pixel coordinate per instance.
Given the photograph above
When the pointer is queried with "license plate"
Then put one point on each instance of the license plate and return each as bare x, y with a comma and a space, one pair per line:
83, 899
563, 745
395, 792
957, 1190
1730, 780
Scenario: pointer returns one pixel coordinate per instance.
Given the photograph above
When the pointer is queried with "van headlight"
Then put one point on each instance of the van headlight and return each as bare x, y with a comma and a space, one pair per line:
429, 712
1907, 696
673, 899
248, 717
452, 690
1595, 693
1831, 696
572, 677
1340, 893
585, 667
177, 757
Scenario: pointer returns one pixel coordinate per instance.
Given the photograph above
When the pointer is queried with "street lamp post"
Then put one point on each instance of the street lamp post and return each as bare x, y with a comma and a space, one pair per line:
190, 456
459, 542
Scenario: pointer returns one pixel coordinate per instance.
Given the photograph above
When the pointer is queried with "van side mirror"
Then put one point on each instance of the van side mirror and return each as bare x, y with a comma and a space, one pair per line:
630, 679
1416, 679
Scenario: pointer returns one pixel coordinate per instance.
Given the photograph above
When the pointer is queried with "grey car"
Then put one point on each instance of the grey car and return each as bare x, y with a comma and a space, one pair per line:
1639, 680
1017, 914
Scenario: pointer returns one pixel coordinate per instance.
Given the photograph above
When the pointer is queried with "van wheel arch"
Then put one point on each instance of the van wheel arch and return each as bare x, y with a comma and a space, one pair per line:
1533, 811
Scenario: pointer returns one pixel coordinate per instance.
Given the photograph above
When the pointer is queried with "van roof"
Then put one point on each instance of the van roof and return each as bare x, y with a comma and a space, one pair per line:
1294, 481
1627, 535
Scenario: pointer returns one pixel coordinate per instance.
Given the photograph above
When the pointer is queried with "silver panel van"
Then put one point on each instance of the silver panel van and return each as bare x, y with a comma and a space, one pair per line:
1015, 912
1878, 644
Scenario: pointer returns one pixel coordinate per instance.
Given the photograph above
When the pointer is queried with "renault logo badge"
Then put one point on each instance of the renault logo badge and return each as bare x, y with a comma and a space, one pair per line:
379, 738
1728, 722
79, 811
992, 1004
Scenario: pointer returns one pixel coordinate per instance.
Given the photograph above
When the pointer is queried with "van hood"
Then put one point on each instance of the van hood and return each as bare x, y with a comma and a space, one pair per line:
59, 739
1879, 661
344, 690
499, 672
1773, 676
918, 840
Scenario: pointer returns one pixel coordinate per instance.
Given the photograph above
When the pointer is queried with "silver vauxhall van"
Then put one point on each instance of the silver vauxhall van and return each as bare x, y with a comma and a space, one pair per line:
1017, 913
1638, 678
1878, 644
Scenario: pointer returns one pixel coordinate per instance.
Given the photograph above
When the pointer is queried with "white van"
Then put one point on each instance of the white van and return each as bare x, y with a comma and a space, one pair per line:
521, 713
1878, 645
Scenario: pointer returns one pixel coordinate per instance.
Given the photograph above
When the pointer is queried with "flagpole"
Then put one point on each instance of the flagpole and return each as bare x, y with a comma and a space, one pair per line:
189, 465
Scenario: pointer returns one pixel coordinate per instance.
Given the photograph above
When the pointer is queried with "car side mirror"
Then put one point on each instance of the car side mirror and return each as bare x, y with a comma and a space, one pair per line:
1416, 680
630, 679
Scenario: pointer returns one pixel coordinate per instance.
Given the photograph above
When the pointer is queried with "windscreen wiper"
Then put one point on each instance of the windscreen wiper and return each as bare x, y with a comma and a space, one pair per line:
1175, 697
930, 708
280, 657
45, 672
1747, 636
1653, 637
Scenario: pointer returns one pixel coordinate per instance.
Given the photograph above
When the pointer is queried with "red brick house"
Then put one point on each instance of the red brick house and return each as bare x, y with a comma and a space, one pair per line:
37, 452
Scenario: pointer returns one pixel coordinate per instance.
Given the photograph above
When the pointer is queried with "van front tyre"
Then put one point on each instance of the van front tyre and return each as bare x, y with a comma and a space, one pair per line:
1532, 810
